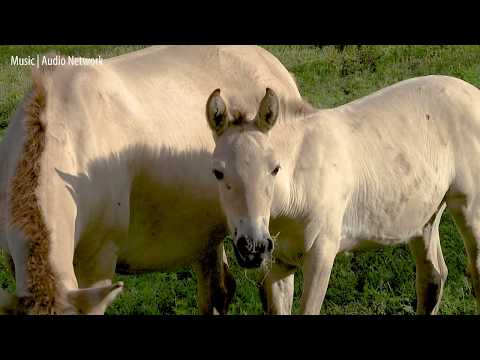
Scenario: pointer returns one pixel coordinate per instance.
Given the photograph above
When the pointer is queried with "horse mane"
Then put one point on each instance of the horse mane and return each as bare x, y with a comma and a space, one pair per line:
291, 110
297, 108
25, 209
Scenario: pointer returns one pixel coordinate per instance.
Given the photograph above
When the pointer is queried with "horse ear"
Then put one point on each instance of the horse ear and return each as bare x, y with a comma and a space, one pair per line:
8, 302
268, 111
217, 115
94, 301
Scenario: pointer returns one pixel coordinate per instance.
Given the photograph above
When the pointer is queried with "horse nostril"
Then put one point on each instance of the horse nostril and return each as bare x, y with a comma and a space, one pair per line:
270, 245
242, 245
260, 248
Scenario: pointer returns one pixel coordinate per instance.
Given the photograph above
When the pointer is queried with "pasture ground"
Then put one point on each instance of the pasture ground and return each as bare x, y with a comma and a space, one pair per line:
373, 282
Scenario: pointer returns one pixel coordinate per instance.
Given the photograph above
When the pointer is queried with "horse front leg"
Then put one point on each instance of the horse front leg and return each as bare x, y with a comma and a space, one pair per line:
277, 287
215, 285
317, 267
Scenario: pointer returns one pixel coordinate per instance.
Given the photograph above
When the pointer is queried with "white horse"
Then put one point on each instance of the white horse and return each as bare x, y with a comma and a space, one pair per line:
98, 174
375, 170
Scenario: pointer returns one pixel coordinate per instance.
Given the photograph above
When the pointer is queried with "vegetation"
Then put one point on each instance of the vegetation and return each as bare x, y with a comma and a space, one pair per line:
373, 282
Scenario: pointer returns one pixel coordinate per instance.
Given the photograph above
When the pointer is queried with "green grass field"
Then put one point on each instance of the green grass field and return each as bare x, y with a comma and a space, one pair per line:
374, 282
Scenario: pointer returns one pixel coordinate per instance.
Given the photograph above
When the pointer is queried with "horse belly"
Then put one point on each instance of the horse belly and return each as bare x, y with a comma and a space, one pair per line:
170, 227
393, 216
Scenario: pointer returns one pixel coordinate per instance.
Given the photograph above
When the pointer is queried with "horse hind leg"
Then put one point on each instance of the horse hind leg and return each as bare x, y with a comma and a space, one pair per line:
431, 270
467, 219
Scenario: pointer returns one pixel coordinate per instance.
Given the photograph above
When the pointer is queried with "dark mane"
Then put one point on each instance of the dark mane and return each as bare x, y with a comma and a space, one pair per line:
25, 209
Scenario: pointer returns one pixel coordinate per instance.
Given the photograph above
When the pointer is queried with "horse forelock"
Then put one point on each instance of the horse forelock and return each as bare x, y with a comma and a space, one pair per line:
292, 110
239, 118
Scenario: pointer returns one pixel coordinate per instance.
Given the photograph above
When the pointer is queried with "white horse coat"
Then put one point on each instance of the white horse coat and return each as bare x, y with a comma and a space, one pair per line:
375, 170
106, 167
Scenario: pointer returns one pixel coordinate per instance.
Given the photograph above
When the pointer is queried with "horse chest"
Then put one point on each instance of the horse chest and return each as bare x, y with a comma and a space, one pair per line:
289, 239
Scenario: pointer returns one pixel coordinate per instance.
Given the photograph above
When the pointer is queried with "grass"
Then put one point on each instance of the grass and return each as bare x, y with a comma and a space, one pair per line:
374, 282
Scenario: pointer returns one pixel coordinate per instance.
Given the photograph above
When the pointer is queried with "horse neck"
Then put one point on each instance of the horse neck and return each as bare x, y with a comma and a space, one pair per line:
298, 142
287, 138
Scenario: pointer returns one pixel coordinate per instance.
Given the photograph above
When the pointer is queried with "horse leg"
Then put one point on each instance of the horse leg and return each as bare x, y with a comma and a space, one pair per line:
429, 282
317, 268
431, 270
276, 291
216, 286
467, 218
10, 264
228, 284
96, 270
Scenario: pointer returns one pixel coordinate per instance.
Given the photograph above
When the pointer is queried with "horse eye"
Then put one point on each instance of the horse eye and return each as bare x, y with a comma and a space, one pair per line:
218, 174
275, 171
